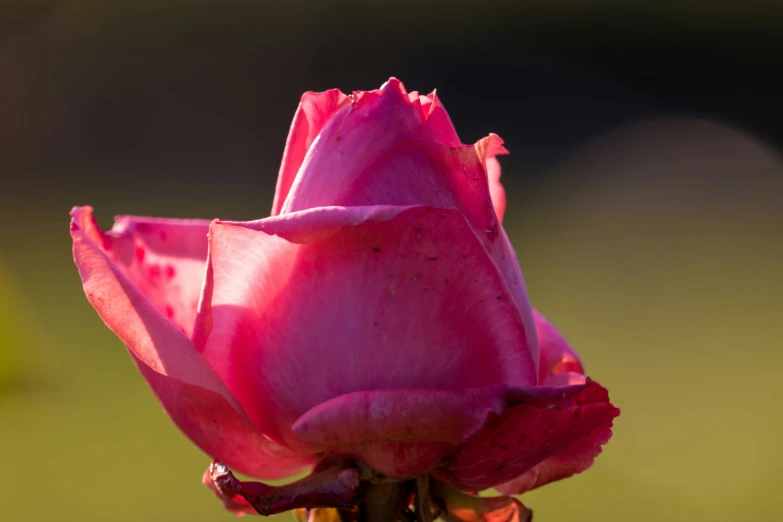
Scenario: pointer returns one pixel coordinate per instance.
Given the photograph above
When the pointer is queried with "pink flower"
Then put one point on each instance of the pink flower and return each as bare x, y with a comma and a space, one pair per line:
379, 316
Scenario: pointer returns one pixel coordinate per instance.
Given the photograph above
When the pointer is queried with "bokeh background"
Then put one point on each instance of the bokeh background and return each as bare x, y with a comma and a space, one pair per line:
645, 188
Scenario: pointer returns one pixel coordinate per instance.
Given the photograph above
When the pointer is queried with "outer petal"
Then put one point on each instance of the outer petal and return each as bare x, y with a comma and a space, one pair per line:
558, 361
142, 326
399, 433
192, 394
571, 430
314, 112
378, 298
164, 258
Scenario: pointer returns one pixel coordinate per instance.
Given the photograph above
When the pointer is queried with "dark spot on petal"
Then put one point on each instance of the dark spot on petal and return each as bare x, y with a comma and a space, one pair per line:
155, 271
499, 297
140, 254
376, 249
169, 271
433, 258
169, 312
338, 138
144, 228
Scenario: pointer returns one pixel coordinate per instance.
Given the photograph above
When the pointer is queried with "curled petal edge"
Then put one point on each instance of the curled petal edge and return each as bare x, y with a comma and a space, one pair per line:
568, 423
333, 487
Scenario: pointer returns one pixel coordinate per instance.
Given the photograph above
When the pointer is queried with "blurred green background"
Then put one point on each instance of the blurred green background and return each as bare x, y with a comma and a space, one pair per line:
645, 191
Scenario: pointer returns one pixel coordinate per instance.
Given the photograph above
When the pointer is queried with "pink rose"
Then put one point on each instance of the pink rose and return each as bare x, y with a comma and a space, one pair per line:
378, 317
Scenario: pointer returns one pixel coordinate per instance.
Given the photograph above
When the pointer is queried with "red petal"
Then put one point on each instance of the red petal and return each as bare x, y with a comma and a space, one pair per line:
376, 298
573, 429
314, 112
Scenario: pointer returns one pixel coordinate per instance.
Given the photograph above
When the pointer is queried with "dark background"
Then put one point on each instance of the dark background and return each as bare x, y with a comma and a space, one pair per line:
645, 189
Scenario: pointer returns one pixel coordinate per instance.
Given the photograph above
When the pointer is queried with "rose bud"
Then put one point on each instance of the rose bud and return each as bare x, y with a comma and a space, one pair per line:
375, 329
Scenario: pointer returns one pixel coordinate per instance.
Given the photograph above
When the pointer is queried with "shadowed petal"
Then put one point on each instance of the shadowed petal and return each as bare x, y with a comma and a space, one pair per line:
574, 428
431, 310
314, 112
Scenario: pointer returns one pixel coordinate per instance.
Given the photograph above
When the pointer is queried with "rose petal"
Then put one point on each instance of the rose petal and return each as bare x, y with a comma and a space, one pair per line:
355, 136
438, 127
164, 258
558, 361
190, 391
388, 147
416, 171
143, 327
462, 507
398, 298
399, 433
489, 148
314, 112
527, 434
